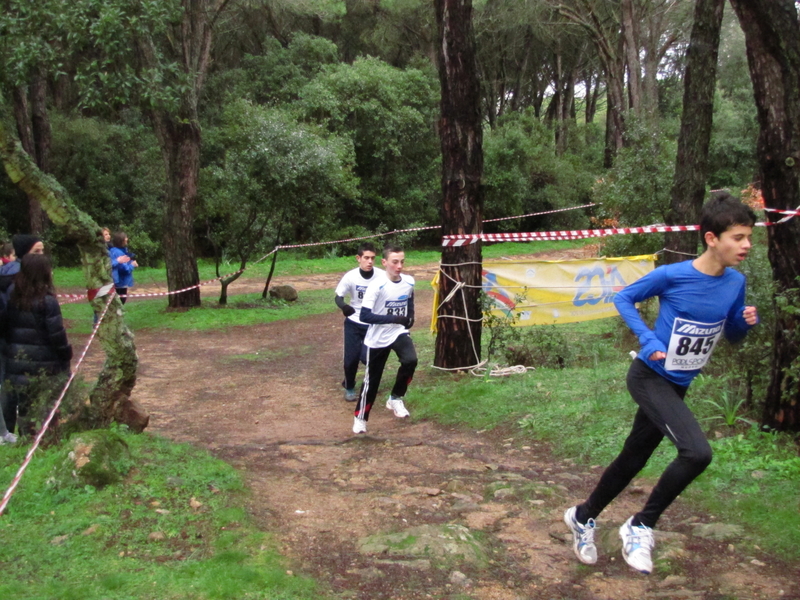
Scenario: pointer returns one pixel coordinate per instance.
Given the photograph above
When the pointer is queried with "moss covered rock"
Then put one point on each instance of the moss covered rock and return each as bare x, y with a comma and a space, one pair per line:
97, 458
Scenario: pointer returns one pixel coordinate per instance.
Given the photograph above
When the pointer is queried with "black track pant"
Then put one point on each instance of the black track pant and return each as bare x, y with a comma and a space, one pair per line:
353, 340
376, 361
662, 412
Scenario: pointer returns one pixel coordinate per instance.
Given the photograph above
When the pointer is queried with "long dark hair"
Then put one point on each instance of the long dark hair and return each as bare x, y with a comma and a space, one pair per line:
33, 282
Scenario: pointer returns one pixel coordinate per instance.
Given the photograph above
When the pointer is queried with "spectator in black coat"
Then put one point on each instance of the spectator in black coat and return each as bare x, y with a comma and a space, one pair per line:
35, 339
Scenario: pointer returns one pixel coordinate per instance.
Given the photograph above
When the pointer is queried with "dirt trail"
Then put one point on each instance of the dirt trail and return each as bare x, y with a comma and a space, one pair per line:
267, 399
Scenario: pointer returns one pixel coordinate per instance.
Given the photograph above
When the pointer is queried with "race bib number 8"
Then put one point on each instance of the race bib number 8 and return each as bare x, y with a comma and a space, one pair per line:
691, 344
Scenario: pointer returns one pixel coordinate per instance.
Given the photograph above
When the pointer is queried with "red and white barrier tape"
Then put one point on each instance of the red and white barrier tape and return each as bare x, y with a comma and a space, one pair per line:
793, 213
201, 284
788, 214
53, 411
92, 293
578, 234
76, 297
464, 239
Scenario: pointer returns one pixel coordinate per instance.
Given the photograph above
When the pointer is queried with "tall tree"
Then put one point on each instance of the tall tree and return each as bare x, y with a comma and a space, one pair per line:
188, 45
273, 174
513, 51
602, 23
458, 342
772, 36
691, 169
156, 55
27, 56
632, 38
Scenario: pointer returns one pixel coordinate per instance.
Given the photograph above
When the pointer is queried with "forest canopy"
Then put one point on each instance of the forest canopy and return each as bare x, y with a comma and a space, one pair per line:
361, 78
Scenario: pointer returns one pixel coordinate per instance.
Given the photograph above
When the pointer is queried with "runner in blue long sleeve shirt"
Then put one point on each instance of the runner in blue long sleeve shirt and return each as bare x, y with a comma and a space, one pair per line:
695, 310
700, 301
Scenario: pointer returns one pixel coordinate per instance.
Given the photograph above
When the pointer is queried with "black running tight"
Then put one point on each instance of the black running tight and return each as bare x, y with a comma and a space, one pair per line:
662, 412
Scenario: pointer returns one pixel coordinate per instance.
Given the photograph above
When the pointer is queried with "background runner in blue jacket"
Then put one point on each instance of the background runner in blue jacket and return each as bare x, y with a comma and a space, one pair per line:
699, 301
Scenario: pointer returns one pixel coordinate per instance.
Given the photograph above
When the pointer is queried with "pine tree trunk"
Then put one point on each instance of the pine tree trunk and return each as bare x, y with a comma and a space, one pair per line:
22, 117
179, 135
630, 32
772, 36
458, 343
691, 168
180, 146
43, 141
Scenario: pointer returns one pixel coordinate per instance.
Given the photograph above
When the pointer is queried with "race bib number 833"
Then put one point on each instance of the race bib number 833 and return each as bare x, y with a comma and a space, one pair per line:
691, 344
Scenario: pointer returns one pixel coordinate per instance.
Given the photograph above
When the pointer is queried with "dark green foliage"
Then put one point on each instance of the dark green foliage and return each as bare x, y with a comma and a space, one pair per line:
732, 159
112, 70
274, 77
268, 173
114, 172
636, 191
522, 175
389, 115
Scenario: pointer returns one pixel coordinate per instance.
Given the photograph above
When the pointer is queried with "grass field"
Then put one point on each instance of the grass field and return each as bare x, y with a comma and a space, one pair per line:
176, 528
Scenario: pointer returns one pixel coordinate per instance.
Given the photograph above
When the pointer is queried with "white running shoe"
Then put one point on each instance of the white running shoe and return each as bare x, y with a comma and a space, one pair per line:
8, 438
582, 537
359, 425
397, 407
351, 395
637, 544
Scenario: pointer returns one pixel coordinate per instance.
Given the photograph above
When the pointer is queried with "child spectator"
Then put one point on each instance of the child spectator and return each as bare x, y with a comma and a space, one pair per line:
8, 253
23, 244
122, 264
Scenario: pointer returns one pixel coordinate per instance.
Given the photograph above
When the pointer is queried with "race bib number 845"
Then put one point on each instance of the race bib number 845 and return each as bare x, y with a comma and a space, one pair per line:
691, 344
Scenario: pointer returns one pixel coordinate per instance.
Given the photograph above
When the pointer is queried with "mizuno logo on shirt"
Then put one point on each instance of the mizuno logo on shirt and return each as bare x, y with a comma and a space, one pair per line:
692, 329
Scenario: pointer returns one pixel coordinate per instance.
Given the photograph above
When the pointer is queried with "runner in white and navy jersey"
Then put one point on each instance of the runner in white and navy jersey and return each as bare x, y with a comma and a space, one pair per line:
354, 284
388, 307
699, 301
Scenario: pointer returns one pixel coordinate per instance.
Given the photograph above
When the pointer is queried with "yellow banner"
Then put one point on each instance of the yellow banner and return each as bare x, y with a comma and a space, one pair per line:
549, 292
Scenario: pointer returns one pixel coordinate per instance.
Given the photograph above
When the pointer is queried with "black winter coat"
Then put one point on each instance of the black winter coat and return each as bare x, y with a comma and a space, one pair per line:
35, 341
